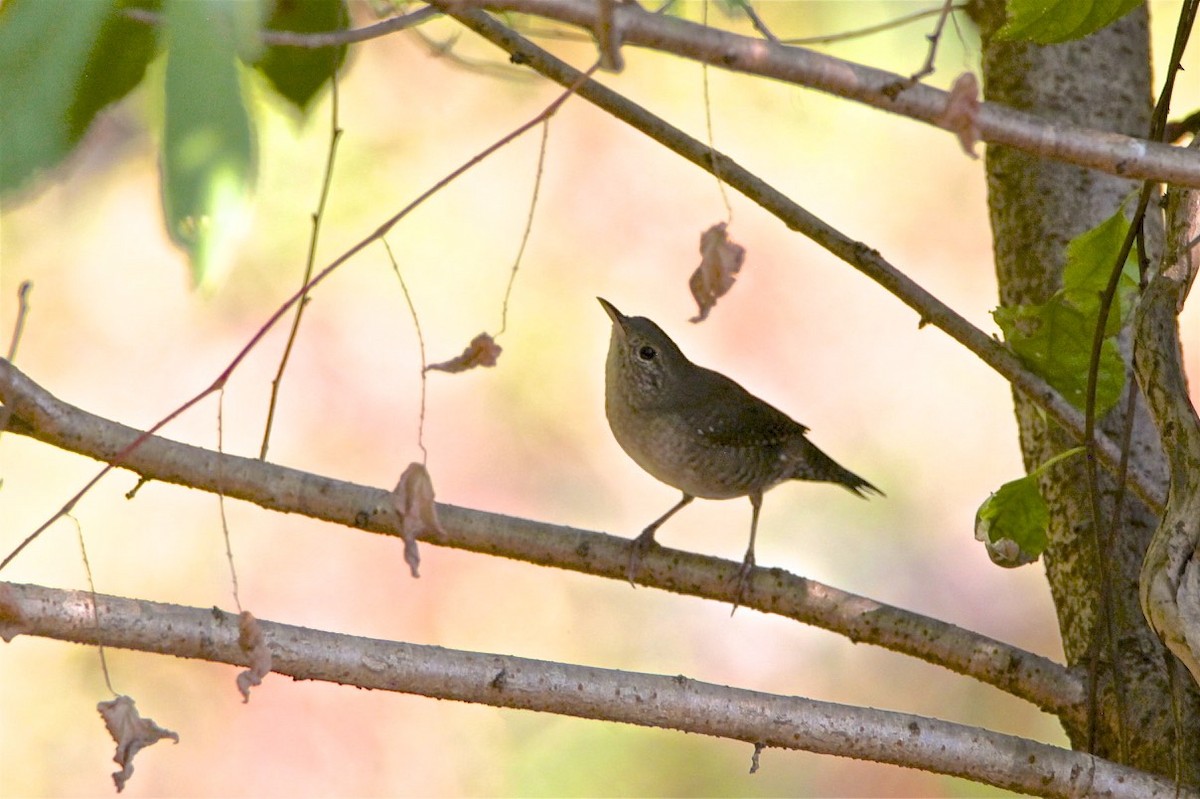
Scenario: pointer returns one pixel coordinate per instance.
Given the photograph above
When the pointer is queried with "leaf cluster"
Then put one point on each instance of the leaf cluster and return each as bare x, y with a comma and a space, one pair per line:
63, 63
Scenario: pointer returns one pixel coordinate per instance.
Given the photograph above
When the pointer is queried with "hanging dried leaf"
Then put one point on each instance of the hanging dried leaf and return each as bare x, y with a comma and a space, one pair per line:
482, 351
961, 116
720, 261
413, 501
254, 644
12, 616
131, 732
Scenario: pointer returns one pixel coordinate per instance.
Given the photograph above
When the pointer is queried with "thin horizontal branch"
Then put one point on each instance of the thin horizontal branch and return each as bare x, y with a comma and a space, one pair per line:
929, 308
1039, 680
317, 40
1105, 151
651, 700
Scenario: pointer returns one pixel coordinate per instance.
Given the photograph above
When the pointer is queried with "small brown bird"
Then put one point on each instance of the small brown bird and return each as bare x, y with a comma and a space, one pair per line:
698, 431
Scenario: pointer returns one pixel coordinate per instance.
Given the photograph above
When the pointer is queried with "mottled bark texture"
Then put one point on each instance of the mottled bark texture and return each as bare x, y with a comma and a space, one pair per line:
1036, 207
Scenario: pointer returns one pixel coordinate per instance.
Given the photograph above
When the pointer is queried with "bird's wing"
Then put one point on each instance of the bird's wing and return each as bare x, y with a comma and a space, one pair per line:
728, 415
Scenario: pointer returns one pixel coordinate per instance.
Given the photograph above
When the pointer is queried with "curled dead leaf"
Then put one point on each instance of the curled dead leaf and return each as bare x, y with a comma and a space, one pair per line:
720, 261
482, 351
961, 116
413, 502
12, 616
254, 644
131, 732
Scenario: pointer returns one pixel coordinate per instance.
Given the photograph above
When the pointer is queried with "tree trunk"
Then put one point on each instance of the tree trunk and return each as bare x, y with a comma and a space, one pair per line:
1036, 207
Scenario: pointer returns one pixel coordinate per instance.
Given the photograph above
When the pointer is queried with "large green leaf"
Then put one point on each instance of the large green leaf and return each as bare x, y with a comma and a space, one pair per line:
44, 47
1052, 21
1055, 338
1055, 341
116, 63
298, 73
208, 144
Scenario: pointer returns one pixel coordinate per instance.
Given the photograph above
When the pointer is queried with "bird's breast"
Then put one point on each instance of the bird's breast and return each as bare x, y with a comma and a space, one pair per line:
679, 452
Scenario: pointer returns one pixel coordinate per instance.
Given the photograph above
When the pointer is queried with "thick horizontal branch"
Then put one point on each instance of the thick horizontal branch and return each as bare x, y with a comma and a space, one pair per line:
1048, 685
930, 309
1105, 151
651, 700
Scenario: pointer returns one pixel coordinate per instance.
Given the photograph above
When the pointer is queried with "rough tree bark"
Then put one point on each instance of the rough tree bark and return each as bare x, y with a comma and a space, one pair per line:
1036, 207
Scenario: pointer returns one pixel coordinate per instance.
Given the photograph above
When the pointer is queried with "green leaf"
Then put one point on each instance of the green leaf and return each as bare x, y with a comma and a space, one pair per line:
1055, 341
116, 64
1090, 259
1052, 21
298, 73
44, 45
1012, 523
208, 145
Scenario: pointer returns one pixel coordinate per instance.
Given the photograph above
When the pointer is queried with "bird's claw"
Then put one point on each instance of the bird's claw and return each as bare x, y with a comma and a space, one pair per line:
637, 549
742, 581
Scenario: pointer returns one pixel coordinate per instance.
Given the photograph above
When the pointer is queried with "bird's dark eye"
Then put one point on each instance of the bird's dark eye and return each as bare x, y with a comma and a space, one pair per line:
647, 353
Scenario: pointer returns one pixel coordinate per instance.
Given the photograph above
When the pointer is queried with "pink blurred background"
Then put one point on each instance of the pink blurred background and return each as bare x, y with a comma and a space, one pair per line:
116, 329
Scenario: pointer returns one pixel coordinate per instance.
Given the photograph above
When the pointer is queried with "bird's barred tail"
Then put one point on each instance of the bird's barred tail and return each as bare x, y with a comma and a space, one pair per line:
816, 465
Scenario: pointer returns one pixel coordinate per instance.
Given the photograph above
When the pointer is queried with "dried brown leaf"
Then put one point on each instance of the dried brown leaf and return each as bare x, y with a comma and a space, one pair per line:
254, 644
12, 616
413, 501
961, 116
720, 261
482, 351
131, 732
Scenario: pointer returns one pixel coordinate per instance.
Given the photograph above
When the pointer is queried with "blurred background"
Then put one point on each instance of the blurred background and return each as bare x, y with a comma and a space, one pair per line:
116, 328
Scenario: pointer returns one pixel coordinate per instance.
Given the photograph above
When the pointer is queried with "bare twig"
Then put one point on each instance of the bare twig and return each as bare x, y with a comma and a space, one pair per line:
708, 124
1036, 679
412, 311
870, 30
935, 37
233, 578
678, 703
335, 135
316, 40
755, 20
22, 312
95, 604
537, 189
15, 341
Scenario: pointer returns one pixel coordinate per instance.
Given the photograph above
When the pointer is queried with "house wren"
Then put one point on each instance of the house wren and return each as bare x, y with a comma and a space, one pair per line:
698, 431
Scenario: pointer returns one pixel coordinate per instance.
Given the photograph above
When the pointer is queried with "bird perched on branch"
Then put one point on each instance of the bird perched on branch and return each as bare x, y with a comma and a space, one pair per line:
700, 432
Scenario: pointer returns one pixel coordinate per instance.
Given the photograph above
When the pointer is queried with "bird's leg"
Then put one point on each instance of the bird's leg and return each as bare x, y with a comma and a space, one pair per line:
748, 561
646, 540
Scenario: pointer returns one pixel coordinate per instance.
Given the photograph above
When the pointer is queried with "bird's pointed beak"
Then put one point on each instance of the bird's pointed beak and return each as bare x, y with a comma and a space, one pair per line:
617, 317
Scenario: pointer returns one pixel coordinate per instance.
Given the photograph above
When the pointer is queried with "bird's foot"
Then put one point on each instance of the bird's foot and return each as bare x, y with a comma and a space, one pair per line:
742, 582
640, 546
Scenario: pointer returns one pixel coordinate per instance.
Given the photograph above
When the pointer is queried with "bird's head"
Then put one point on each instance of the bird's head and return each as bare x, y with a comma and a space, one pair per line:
643, 363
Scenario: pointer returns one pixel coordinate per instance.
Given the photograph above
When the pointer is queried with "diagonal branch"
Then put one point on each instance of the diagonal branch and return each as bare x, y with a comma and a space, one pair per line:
868, 261
1115, 154
678, 703
1036, 679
